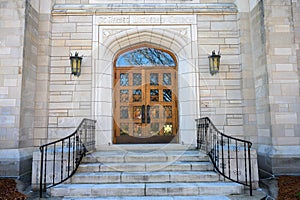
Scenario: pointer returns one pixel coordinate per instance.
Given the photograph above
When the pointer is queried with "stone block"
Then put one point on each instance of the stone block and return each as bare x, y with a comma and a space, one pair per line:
79, 43
285, 141
284, 67
60, 19
5, 51
60, 98
84, 29
234, 94
3, 90
289, 90
77, 19
172, 189
62, 88
82, 112
283, 51
81, 96
286, 118
91, 177
11, 82
282, 28
105, 1
55, 169
16, 163
223, 26
233, 130
235, 122
81, 36
123, 167
64, 27
60, 51
119, 190
210, 41
8, 102
203, 26
210, 17
142, 177
64, 105
237, 168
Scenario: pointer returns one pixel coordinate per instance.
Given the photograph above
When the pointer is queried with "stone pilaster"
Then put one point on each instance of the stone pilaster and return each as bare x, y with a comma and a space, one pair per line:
248, 89
43, 74
277, 86
18, 55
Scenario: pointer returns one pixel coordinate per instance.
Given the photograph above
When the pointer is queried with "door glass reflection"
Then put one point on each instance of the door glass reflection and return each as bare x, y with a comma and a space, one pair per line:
153, 79
167, 95
154, 95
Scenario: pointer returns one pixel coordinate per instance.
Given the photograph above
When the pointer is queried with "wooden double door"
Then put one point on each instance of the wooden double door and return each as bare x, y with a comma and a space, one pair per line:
145, 105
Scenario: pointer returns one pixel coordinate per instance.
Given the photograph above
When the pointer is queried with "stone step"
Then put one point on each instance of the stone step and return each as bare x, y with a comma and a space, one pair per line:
144, 177
142, 167
144, 156
146, 147
148, 189
153, 198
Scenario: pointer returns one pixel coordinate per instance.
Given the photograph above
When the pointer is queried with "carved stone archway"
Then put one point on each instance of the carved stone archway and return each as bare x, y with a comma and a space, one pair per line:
177, 39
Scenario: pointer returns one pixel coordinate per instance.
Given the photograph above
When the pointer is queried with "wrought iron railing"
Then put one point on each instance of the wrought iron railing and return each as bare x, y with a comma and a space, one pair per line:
60, 159
230, 156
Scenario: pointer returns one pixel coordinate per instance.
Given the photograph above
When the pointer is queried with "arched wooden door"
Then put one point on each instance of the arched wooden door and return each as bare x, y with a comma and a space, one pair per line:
145, 92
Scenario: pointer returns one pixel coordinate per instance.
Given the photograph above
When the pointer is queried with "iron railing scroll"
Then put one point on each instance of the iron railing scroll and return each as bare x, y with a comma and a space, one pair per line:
230, 156
60, 159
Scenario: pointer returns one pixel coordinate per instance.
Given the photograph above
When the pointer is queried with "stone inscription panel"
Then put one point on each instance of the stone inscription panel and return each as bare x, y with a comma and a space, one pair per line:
146, 19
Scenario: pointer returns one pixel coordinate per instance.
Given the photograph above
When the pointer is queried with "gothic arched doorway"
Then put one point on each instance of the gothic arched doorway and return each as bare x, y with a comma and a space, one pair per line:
145, 96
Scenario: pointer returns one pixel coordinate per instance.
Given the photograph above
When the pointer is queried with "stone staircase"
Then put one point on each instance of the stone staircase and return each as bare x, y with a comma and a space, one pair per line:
146, 172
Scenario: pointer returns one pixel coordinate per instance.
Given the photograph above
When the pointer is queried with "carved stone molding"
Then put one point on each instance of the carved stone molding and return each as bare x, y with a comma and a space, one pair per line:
171, 9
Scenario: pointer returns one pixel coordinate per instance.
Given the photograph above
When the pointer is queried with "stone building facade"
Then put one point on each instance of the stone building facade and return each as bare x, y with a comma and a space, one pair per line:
255, 95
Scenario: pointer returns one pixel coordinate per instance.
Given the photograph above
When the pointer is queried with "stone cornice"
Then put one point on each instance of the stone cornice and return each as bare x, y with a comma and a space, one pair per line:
91, 9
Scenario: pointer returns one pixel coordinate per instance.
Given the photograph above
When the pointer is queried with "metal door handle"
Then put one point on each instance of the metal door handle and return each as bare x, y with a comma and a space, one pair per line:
148, 114
143, 114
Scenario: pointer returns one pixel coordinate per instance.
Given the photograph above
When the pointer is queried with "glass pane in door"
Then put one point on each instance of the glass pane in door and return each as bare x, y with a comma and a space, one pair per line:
137, 79
154, 95
167, 79
124, 81
137, 95
167, 95
154, 79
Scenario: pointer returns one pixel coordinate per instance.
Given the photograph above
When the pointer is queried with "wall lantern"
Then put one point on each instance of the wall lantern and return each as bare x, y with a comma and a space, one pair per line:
75, 64
214, 63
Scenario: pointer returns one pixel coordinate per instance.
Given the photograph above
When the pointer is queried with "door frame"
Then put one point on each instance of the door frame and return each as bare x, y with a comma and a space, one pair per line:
146, 71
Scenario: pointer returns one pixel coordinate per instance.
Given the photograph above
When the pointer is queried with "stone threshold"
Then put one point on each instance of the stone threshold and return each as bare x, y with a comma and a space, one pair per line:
84, 9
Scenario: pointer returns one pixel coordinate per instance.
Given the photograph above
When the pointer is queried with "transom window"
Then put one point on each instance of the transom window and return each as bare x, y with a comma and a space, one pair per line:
145, 56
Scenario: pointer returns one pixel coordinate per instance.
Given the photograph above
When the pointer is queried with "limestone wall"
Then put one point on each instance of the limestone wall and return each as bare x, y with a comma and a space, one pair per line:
70, 97
247, 74
11, 67
29, 74
220, 95
260, 74
296, 17
18, 60
277, 85
43, 71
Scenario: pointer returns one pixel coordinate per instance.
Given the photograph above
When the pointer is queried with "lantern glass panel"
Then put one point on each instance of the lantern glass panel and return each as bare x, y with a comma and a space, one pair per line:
76, 65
